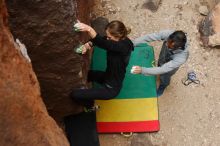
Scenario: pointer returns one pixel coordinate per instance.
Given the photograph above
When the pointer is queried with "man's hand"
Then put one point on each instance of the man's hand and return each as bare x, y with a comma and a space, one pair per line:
136, 70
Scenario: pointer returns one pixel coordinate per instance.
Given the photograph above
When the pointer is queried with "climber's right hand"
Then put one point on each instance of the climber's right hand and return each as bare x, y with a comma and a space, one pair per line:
82, 27
86, 28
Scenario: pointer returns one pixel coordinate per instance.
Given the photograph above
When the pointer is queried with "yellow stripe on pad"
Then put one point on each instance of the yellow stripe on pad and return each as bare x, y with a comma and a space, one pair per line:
123, 110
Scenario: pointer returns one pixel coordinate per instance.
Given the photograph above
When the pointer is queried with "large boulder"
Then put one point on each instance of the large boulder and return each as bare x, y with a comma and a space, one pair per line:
210, 28
45, 27
211, 3
24, 120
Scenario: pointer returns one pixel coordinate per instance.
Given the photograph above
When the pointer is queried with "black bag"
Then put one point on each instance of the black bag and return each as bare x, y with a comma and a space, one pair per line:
81, 129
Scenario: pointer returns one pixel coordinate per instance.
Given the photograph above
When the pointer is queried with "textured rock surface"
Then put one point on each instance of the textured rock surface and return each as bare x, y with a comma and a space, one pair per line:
203, 10
189, 116
45, 27
140, 140
212, 3
214, 40
210, 27
24, 120
152, 5
99, 25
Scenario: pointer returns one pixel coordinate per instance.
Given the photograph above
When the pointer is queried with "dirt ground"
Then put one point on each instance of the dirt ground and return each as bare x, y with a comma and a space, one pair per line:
189, 115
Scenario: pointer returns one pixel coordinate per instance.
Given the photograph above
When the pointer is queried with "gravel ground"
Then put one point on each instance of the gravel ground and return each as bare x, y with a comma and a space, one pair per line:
189, 115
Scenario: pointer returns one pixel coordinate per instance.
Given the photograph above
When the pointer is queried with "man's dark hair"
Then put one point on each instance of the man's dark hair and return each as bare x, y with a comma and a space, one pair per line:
179, 39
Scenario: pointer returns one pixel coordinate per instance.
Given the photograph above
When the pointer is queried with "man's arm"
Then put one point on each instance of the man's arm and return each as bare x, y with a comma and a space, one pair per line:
167, 67
162, 35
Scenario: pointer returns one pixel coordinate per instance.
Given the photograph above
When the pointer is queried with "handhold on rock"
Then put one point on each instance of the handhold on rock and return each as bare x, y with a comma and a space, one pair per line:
78, 49
23, 50
75, 25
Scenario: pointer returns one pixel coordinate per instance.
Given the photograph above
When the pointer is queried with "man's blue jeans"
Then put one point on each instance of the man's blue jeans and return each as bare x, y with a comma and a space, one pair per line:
165, 78
165, 81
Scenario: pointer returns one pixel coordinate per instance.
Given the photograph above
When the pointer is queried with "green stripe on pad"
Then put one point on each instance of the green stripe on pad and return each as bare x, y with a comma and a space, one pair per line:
134, 86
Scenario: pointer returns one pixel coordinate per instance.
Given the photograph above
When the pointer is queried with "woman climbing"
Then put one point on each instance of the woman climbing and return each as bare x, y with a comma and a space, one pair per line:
118, 47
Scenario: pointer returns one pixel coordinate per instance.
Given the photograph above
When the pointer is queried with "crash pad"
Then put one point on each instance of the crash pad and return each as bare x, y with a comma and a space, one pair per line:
135, 109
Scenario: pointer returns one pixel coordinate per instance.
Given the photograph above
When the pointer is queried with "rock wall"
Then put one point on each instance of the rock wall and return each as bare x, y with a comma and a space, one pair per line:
210, 28
24, 120
45, 27
212, 3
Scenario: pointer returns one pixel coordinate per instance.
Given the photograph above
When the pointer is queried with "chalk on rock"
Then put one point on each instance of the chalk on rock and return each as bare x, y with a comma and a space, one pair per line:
23, 50
78, 49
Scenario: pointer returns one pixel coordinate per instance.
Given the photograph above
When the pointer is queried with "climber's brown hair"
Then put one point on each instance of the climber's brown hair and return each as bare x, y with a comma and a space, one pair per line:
117, 29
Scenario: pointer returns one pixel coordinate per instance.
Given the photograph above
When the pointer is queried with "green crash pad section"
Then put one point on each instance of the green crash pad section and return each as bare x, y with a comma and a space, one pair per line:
134, 86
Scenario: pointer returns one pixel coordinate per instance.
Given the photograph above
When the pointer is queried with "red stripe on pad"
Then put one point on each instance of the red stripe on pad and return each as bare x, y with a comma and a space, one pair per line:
115, 127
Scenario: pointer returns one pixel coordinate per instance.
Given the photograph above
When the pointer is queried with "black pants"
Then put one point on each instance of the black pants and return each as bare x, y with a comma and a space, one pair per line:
86, 97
